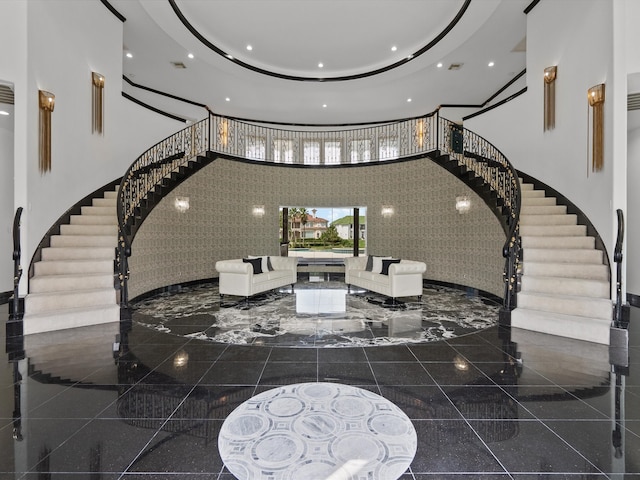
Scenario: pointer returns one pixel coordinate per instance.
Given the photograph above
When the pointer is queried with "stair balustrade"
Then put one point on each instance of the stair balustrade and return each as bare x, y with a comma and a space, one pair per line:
163, 166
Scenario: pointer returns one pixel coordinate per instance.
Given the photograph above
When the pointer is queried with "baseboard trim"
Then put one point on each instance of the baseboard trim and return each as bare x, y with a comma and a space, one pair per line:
465, 288
175, 288
634, 300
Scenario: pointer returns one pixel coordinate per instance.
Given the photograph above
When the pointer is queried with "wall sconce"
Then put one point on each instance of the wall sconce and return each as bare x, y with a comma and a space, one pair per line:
387, 211
181, 204
97, 97
258, 210
463, 204
550, 74
181, 359
421, 132
596, 101
46, 102
223, 132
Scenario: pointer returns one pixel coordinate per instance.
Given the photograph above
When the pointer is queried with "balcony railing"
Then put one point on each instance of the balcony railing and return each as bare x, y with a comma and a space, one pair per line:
427, 135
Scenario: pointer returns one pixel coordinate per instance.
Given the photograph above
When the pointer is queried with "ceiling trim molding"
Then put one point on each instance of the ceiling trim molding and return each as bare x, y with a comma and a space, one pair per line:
153, 109
495, 105
113, 10
164, 94
343, 78
531, 6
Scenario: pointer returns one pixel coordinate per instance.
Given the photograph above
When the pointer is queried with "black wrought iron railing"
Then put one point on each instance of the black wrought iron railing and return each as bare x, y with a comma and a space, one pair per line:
425, 136
17, 312
617, 258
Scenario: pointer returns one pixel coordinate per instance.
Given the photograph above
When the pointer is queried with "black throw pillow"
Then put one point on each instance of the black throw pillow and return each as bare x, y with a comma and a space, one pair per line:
386, 263
256, 263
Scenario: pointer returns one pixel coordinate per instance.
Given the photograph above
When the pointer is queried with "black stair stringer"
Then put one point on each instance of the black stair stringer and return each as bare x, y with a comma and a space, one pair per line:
479, 186
163, 188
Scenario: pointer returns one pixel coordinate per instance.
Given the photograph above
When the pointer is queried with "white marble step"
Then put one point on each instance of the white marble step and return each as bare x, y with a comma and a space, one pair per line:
531, 193
553, 230
562, 242
68, 266
104, 202
543, 210
525, 186
113, 194
88, 230
566, 304
70, 318
51, 302
93, 220
84, 240
554, 219
563, 255
71, 283
572, 326
97, 210
565, 286
538, 201
566, 270
77, 253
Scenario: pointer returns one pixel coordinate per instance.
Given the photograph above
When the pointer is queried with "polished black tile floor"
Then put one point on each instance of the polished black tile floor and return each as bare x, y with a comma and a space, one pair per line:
96, 403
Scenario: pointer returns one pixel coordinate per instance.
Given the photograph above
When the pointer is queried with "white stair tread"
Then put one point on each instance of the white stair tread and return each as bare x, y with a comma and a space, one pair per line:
94, 219
548, 219
581, 328
557, 242
84, 240
64, 267
564, 255
70, 282
49, 302
553, 230
77, 253
70, 318
84, 229
567, 304
566, 270
91, 210
566, 286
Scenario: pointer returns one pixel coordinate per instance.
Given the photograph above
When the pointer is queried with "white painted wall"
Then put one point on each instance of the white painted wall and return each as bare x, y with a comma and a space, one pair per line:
632, 220
577, 37
6, 209
53, 51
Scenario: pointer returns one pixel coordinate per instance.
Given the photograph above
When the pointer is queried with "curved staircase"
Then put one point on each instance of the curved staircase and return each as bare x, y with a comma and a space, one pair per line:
565, 286
73, 283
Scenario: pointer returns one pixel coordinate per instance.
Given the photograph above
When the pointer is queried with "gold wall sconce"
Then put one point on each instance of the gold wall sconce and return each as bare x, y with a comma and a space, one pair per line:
97, 102
596, 102
550, 74
46, 103
223, 132
387, 211
258, 211
421, 132
463, 204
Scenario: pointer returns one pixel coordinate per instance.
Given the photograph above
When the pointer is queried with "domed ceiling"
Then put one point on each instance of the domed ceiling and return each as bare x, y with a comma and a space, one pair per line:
322, 61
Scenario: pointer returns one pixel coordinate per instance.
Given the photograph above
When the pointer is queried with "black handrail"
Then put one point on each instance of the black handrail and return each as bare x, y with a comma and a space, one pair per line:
17, 268
617, 257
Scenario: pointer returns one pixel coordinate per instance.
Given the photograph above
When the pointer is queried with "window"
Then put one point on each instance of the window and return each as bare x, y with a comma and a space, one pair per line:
388, 148
283, 151
360, 151
311, 151
256, 147
332, 152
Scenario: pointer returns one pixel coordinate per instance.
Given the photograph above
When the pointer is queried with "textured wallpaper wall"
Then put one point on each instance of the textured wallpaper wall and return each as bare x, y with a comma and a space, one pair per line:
173, 247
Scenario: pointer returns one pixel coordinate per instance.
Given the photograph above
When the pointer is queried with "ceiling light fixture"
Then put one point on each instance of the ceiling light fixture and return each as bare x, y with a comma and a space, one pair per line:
129, 55
491, 64
439, 65
324, 105
408, 100
227, 99
249, 47
394, 48
320, 65
190, 55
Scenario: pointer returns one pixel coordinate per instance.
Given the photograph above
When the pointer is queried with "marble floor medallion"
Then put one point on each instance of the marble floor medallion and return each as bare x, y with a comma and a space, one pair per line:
317, 431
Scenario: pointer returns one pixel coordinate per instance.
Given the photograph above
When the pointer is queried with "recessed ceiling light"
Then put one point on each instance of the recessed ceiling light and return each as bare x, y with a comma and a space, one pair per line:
320, 65
249, 47
190, 55
2, 112
227, 99
439, 65
229, 56
129, 55
408, 100
324, 105
409, 57
491, 64
394, 48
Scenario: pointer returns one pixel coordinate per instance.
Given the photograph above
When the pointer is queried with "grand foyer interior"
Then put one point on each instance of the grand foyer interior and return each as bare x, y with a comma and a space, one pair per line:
599, 194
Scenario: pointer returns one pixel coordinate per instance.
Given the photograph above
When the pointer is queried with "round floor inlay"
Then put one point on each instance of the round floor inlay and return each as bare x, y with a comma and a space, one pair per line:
317, 431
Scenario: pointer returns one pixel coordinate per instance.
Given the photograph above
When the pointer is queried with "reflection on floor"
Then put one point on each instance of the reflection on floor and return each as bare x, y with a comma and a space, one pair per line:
318, 314
494, 404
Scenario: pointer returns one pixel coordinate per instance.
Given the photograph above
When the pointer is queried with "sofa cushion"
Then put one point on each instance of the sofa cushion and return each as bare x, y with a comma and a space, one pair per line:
256, 263
377, 264
386, 263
